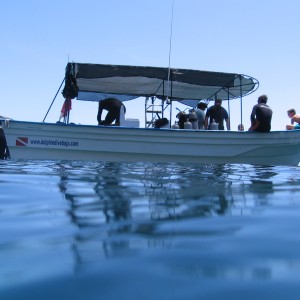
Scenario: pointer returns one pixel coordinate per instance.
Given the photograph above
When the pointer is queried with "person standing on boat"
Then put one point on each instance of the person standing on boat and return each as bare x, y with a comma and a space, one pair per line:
218, 114
116, 111
294, 118
261, 115
200, 112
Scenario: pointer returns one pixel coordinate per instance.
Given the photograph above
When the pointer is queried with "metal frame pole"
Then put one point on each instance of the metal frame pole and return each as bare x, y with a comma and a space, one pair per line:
53, 100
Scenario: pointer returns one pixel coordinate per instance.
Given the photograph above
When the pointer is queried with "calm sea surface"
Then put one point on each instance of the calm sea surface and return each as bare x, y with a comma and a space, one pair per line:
86, 230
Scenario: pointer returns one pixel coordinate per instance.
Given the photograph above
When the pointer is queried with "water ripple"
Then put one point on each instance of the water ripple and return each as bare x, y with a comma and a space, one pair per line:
188, 221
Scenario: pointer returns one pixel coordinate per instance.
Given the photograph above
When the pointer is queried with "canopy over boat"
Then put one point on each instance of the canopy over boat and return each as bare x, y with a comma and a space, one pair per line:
95, 82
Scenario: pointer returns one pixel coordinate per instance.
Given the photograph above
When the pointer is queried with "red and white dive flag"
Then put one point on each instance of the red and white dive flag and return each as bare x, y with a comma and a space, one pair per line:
66, 107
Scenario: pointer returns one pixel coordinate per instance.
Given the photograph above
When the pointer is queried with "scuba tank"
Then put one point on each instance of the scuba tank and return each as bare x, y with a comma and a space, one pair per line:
175, 126
193, 119
187, 124
214, 125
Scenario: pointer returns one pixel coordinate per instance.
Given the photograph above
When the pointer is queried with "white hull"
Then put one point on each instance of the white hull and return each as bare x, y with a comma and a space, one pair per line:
31, 140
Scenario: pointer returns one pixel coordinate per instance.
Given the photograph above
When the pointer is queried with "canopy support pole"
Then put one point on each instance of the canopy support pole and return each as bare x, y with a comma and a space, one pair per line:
241, 100
170, 123
53, 100
228, 106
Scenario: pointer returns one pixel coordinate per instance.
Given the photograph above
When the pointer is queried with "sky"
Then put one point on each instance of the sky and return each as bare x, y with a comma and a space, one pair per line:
38, 38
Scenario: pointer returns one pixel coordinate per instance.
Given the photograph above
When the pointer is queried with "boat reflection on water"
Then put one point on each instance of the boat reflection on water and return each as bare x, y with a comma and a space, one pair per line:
188, 192
262, 185
120, 209
153, 231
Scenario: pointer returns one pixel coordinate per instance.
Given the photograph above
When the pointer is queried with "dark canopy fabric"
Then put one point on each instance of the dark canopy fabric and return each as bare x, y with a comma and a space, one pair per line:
94, 82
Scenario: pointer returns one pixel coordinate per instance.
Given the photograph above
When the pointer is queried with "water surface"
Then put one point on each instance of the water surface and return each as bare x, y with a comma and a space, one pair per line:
86, 230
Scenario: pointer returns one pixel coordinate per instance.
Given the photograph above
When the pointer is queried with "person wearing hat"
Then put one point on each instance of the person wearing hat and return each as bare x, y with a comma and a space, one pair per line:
261, 115
217, 114
200, 112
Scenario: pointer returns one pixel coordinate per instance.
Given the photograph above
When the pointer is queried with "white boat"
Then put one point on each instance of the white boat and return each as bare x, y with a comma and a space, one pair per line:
63, 141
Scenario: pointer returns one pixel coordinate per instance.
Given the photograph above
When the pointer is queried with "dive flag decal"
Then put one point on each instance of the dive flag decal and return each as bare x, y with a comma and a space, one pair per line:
22, 141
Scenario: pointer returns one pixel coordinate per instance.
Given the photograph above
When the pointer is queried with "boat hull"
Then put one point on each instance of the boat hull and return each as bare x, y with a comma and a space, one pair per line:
33, 140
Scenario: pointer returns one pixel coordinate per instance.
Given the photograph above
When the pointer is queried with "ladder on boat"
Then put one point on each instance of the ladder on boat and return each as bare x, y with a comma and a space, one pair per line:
154, 110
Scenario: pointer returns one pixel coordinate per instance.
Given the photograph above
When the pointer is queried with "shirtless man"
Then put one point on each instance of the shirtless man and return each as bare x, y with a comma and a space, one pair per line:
294, 118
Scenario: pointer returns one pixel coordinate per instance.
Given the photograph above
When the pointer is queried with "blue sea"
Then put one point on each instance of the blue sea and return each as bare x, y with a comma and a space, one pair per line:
90, 230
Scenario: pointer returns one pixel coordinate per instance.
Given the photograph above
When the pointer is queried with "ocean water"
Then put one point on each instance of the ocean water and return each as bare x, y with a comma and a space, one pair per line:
87, 230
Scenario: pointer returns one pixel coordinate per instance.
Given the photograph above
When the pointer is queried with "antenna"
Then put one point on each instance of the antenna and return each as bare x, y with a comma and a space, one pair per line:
170, 50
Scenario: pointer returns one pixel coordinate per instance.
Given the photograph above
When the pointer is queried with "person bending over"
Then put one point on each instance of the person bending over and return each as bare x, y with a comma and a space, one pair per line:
114, 109
261, 115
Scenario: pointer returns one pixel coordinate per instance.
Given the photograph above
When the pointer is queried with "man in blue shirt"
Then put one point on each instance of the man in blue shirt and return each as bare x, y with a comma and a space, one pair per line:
201, 107
218, 114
